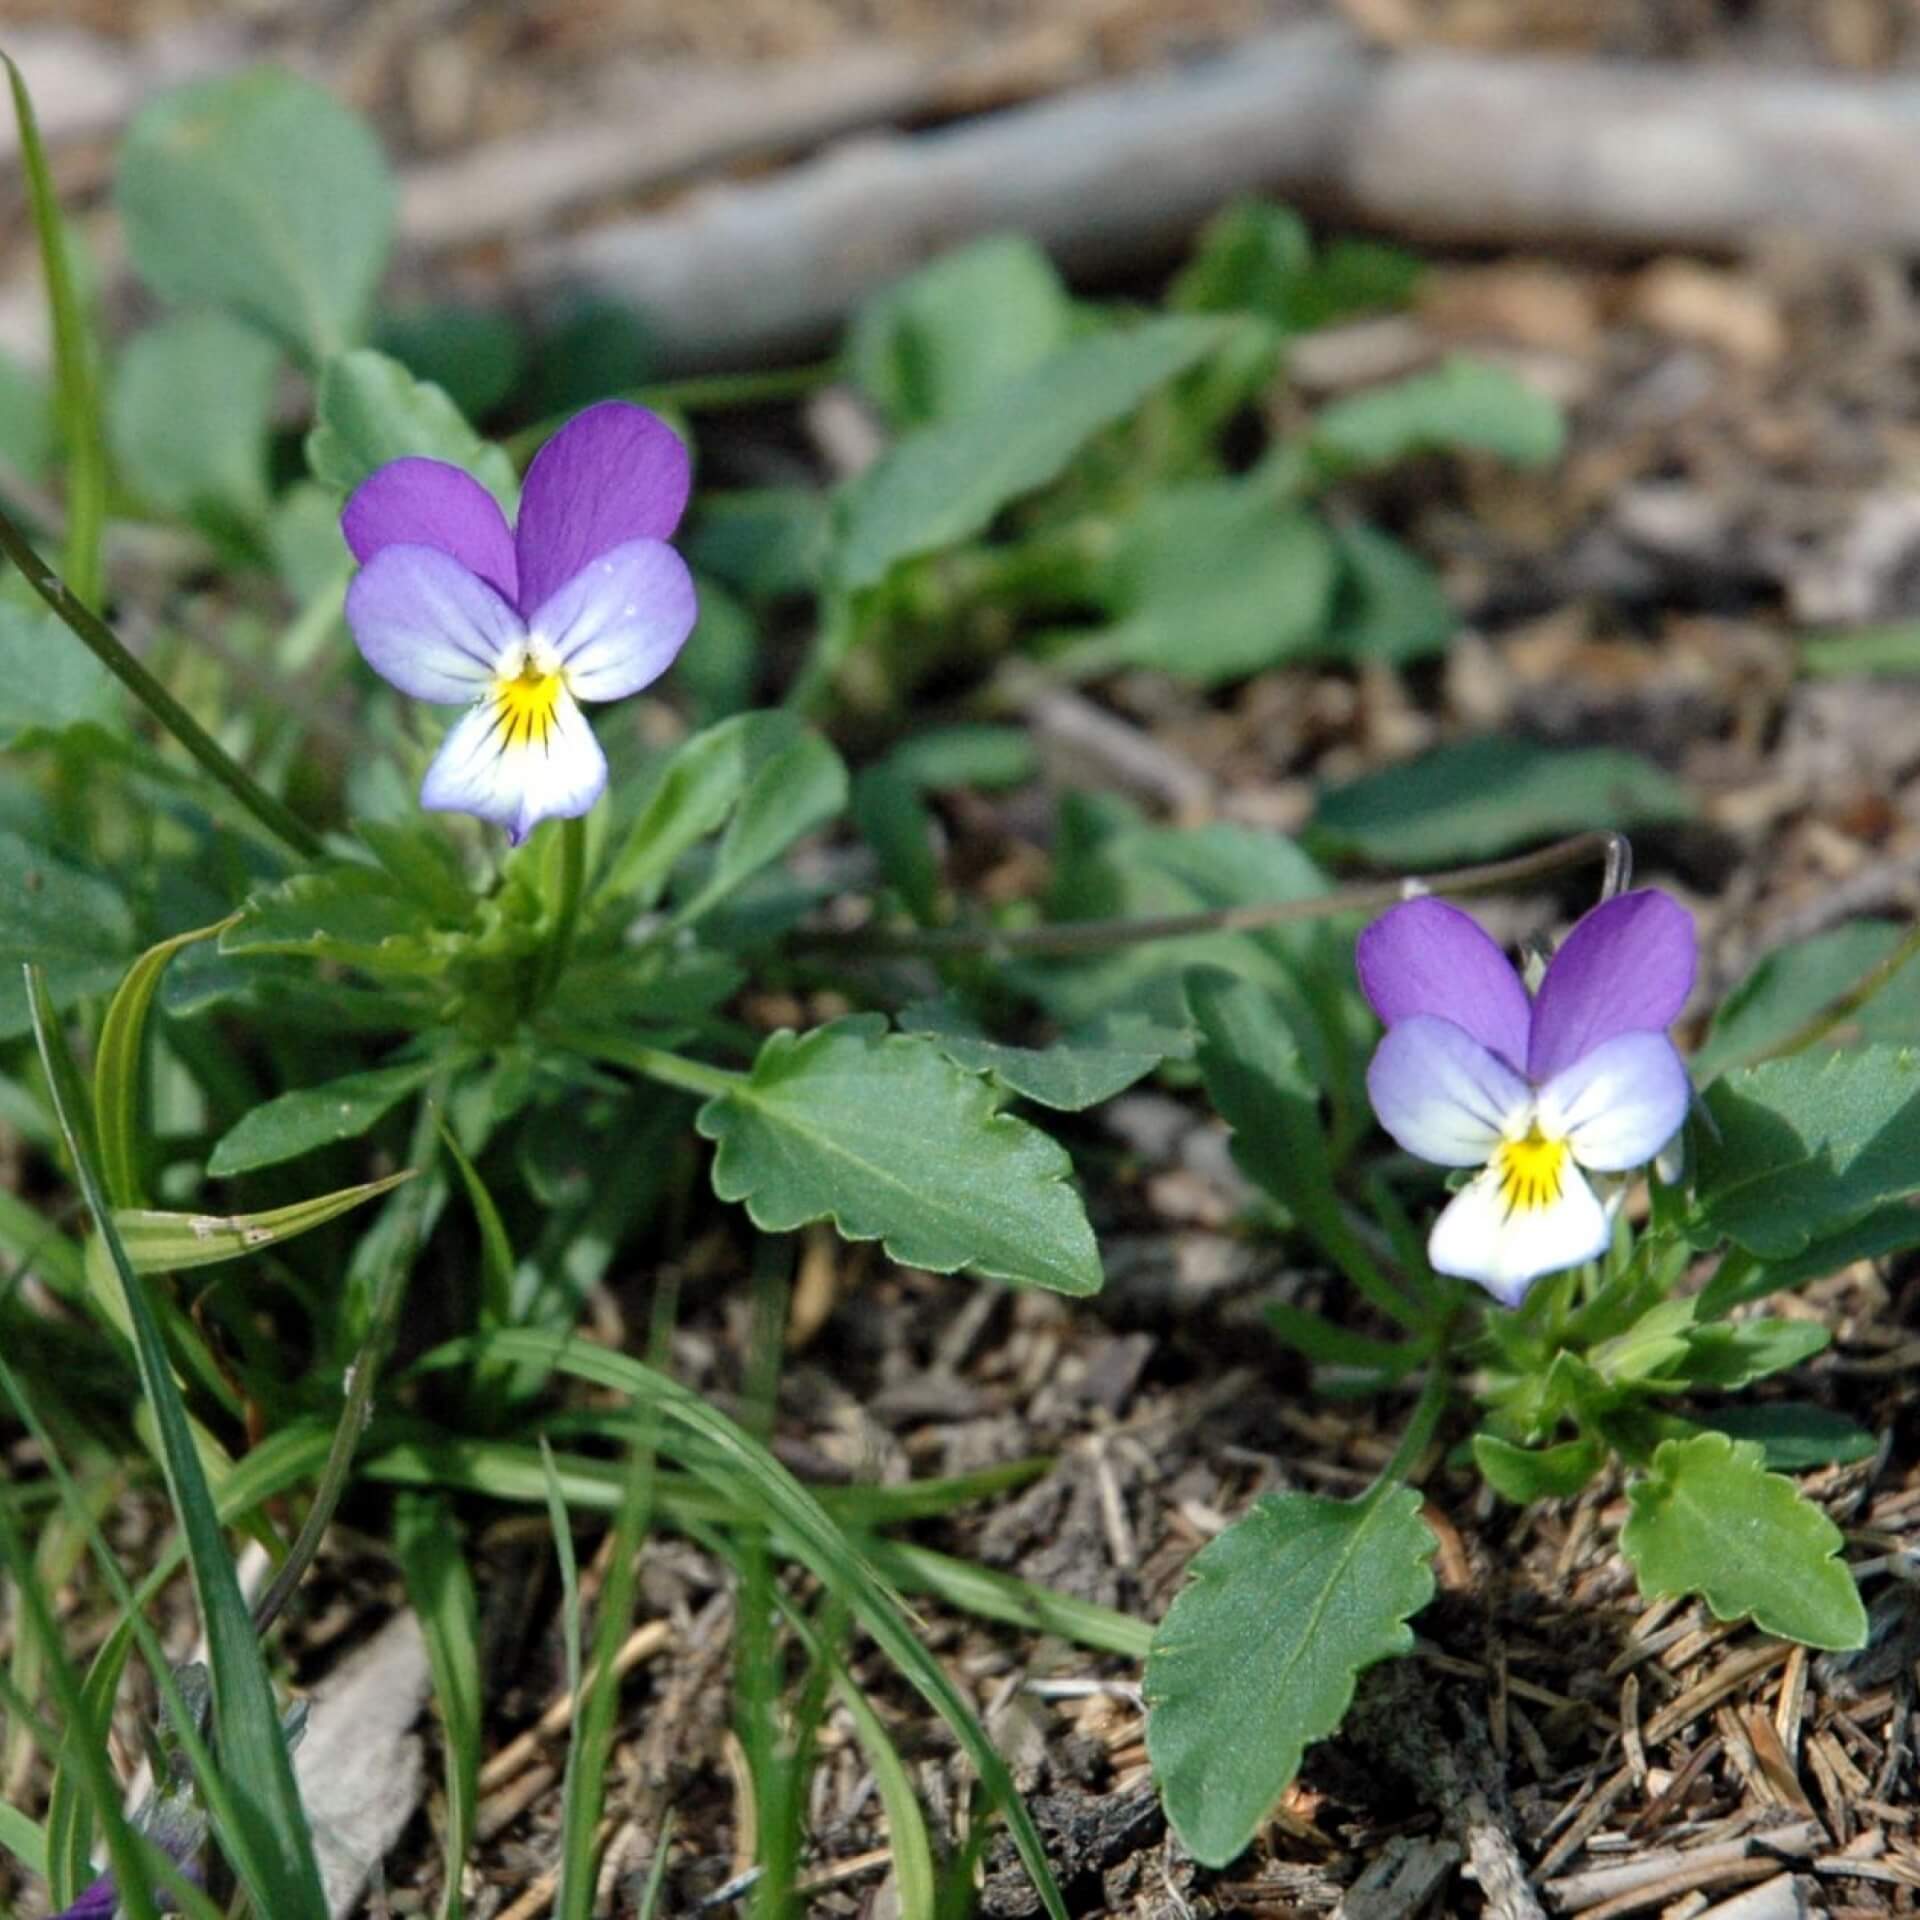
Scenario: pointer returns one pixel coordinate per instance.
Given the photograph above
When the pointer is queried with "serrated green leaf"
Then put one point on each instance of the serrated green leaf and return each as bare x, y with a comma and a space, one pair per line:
188, 418
945, 483
1077, 1071
353, 914
1212, 581
72, 925
370, 410
1258, 1655
1804, 1147
1709, 1519
173, 1242
309, 1117
1464, 405
938, 343
1483, 797
259, 193
886, 1137
1727, 1355
1793, 1436
1526, 1474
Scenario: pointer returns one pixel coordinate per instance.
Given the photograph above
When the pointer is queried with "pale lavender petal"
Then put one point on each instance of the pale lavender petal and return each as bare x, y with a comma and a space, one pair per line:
1481, 1237
428, 626
1443, 1095
1618, 1104
1626, 967
427, 503
557, 777
617, 624
1427, 957
612, 474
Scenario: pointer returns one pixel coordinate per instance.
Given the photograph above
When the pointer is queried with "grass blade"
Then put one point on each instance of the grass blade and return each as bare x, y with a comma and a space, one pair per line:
76, 386
441, 1591
738, 1465
271, 1845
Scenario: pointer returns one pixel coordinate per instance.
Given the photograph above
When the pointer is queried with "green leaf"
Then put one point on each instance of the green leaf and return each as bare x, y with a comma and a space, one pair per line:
1257, 1657
1786, 989
885, 1136
1256, 257
945, 483
720, 664
1077, 1071
1463, 405
974, 755
1894, 648
764, 542
119, 1061
1387, 603
938, 343
348, 913
370, 410
1526, 1474
1879, 1235
1727, 1355
1485, 796
800, 787
76, 928
895, 823
188, 417
260, 194
29, 435
1793, 1436
309, 1117
1710, 1519
48, 681
693, 794
172, 1242
1803, 1147
1212, 581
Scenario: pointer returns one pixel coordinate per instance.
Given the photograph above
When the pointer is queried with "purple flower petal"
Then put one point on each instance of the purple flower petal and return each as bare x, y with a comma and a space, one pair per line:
612, 474
1427, 957
1441, 1094
96, 1902
429, 626
426, 503
1626, 967
617, 624
1481, 1237
1619, 1103
558, 776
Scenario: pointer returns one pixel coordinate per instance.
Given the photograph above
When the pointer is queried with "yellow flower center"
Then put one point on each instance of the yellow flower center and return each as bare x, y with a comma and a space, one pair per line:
524, 705
1531, 1170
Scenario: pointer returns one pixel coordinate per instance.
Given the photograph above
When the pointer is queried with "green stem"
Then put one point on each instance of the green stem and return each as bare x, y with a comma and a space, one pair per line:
670, 1069
1421, 1428
100, 640
566, 918
1851, 1001
1069, 938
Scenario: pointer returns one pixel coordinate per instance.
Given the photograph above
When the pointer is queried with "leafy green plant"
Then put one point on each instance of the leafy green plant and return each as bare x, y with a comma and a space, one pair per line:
518, 1039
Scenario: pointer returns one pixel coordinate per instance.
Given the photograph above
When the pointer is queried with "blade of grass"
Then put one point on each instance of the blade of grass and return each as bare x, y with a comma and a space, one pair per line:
117, 1076
440, 1588
739, 1466
25, 1839
584, 1791
271, 1844
76, 388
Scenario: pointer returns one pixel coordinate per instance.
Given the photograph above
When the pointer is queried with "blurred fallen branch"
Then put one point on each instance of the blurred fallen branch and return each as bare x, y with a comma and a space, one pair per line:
1432, 145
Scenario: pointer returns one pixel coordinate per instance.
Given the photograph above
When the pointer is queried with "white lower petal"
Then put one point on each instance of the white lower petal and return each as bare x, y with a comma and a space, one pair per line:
617, 624
1482, 1237
1620, 1104
517, 779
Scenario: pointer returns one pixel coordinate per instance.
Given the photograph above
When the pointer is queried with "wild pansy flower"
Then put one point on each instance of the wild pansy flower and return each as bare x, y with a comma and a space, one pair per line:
1538, 1092
582, 599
